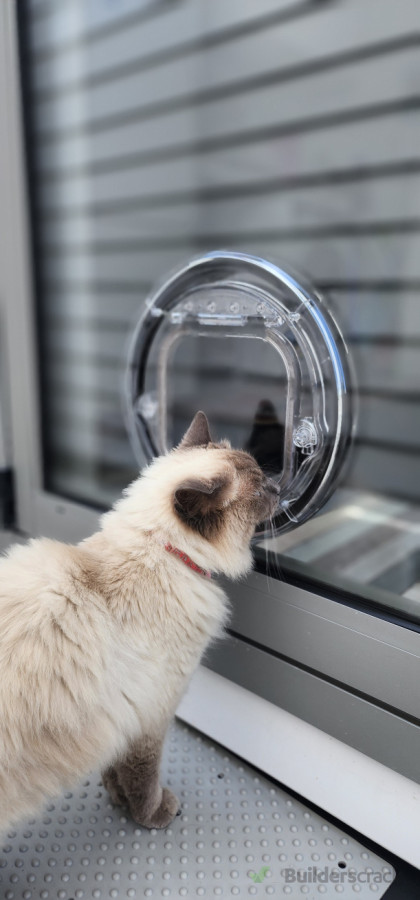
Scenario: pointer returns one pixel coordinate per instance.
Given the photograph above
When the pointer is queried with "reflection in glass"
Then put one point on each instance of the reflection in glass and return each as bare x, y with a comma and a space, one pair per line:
286, 132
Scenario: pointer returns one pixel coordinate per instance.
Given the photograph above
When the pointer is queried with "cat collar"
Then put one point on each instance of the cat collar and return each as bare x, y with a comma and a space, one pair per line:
187, 560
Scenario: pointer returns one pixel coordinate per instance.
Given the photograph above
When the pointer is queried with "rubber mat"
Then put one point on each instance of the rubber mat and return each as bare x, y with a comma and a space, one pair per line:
237, 834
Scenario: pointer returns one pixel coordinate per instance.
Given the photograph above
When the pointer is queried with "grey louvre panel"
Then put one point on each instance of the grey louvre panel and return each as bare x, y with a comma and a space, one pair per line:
362, 147
327, 257
387, 200
70, 25
231, 119
286, 128
186, 82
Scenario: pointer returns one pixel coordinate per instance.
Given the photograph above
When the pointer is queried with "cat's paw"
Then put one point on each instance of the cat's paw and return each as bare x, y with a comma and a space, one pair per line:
112, 785
162, 816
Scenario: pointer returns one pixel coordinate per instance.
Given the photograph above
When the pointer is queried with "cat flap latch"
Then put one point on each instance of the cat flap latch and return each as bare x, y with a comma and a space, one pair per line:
257, 348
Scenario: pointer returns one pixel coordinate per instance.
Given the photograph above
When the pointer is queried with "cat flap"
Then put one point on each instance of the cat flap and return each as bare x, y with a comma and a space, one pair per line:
258, 348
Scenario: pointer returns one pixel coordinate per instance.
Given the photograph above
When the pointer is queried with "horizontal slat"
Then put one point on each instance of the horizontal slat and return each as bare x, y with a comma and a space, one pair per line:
232, 119
376, 470
366, 316
373, 229
389, 421
387, 369
387, 200
346, 259
96, 376
84, 413
110, 321
100, 447
89, 484
94, 289
386, 471
379, 367
380, 420
86, 409
61, 25
132, 36
384, 368
109, 394
203, 65
82, 342
106, 426
199, 367
209, 361
94, 13
100, 381
232, 420
343, 259
343, 151
371, 313
99, 313
128, 267
223, 423
286, 51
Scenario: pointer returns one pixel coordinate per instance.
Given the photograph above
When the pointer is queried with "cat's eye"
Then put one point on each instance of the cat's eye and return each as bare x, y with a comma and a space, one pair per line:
258, 349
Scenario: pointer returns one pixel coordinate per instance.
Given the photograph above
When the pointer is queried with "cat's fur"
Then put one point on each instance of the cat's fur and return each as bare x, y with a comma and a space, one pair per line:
98, 640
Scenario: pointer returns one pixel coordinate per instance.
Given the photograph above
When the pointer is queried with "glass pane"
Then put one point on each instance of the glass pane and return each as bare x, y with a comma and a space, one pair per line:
285, 129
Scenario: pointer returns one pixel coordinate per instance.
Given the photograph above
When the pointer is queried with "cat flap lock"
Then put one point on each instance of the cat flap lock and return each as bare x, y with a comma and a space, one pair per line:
258, 349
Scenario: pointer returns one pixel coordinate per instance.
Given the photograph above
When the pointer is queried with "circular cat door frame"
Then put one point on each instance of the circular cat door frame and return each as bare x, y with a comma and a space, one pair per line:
234, 295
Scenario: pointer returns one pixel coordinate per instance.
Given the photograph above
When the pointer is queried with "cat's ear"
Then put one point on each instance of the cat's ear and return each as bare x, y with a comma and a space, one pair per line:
198, 433
195, 498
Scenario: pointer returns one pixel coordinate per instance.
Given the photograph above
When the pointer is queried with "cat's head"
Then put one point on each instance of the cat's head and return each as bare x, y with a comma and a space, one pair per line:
227, 490
205, 498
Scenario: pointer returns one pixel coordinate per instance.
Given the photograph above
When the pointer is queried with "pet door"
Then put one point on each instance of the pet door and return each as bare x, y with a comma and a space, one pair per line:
259, 352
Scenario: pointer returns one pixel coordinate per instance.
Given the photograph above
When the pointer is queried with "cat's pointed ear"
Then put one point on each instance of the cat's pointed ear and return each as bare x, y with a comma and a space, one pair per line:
196, 498
198, 433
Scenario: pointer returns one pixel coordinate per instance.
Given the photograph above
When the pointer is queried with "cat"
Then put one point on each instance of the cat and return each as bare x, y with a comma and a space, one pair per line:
98, 640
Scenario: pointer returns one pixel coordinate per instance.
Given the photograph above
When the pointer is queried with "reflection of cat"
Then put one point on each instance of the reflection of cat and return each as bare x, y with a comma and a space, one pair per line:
98, 640
266, 441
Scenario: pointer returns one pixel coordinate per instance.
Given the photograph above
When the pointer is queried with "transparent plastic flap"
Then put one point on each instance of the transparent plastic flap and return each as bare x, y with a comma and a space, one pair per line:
259, 351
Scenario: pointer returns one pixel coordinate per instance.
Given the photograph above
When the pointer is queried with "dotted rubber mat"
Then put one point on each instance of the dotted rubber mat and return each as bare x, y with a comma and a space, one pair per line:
237, 834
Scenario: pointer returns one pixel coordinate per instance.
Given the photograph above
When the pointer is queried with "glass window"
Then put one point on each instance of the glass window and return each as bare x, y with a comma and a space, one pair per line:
288, 130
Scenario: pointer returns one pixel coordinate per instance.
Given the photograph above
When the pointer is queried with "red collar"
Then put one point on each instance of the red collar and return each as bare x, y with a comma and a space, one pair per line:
187, 560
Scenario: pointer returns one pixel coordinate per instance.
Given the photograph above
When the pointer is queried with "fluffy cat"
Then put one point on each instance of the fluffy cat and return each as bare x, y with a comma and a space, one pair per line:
98, 640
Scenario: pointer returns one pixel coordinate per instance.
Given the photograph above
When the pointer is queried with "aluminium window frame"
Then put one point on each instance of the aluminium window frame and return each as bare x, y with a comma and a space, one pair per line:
349, 674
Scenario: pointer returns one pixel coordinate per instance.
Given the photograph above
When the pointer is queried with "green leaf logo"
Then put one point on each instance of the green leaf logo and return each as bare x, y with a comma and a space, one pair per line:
258, 878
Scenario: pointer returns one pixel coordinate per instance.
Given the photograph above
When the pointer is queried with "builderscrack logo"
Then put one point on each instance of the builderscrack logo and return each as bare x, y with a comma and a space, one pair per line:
326, 875
329, 875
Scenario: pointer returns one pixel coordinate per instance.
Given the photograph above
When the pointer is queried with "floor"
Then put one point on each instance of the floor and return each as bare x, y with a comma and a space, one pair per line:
238, 834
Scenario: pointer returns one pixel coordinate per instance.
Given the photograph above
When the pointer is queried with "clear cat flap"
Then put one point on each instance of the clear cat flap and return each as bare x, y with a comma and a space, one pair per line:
260, 353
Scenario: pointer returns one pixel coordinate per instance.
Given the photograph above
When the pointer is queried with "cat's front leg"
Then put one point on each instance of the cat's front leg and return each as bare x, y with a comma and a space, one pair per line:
135, 778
